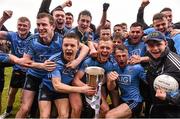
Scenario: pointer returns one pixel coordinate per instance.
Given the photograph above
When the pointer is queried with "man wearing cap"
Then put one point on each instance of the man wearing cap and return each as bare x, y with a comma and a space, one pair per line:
162, 61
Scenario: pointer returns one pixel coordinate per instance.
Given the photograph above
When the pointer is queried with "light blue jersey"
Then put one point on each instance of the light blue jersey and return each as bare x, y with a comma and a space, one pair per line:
65, 74
128, 82
18, 47
138, 49
41, 52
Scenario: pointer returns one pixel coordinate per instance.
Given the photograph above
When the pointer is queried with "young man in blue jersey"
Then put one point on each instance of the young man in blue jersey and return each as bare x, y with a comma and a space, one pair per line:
58, 13
59, 16
136, 46
126, 77
160, 23
19, 42
102, 60
84, 31
134, 43
57, 84
41, 47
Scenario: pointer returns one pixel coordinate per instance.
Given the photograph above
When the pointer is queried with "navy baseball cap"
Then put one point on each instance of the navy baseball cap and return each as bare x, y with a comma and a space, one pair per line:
155, 36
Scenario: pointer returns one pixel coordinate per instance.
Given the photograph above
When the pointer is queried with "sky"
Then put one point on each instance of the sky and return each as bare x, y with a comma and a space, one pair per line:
119, 10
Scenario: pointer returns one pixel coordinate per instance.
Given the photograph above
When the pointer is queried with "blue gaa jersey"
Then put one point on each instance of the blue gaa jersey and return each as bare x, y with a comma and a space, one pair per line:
65, 74
4, 58
41, 52
18, 47
128, 82
176, 40
138, 49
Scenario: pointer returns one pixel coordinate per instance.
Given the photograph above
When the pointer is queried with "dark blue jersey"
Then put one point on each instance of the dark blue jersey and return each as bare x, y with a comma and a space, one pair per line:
41, 52
65, 74
138, 49
128, 82
18, 46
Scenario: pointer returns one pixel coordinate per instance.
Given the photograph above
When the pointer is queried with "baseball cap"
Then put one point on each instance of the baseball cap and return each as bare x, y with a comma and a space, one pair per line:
155, 36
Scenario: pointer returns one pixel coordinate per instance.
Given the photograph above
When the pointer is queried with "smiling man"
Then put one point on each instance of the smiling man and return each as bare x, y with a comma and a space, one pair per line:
19, 41
162, 61
57, 84
104, 49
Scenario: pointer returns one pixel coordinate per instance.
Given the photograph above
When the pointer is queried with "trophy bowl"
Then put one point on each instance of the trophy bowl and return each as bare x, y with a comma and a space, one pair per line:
94, 76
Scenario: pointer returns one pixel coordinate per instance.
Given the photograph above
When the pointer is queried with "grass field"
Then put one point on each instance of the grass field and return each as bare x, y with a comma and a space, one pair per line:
8, 72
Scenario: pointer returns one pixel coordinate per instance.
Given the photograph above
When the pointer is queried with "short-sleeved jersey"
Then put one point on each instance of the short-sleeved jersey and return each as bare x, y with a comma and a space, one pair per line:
138, 49
41, 52
65, 74
128, 82
18, 46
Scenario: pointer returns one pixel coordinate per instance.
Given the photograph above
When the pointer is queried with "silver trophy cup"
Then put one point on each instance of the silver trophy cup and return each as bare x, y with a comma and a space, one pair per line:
94, 76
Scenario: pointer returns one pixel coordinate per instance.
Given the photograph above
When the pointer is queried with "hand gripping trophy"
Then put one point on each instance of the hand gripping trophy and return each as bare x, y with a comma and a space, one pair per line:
95, 78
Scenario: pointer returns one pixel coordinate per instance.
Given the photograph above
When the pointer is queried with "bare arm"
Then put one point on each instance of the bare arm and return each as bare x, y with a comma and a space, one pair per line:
61, 87
46, 65
77, 79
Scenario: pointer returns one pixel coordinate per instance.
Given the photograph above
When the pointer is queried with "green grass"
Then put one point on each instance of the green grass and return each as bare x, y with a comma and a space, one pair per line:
8, 72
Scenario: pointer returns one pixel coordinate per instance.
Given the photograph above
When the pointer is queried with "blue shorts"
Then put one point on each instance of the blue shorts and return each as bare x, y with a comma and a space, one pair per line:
46, 94
32, 83
136, 107
17, 79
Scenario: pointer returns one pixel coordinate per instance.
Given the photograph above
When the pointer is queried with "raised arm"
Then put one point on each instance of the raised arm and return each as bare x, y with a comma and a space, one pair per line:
45, 6
103, 18
6, 15
140, 14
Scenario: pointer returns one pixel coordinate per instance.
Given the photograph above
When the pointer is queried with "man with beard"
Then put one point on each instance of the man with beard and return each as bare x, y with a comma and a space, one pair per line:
127, 77
160, 23
102, 60
57, 84
19, 42
135, 44
163, 61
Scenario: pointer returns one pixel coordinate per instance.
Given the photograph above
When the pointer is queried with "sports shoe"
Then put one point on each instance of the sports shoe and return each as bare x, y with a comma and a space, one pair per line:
5, 114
